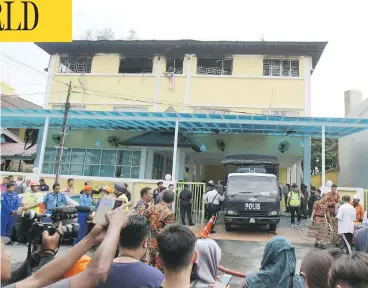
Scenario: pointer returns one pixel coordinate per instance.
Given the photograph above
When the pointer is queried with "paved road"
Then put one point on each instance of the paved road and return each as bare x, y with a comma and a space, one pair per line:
246, 257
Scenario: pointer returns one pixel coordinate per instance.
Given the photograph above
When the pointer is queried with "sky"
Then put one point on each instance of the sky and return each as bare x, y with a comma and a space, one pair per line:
343, 65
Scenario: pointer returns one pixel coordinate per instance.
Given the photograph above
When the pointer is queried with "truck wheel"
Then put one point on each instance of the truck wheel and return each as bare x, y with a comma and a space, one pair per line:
273, 227
227, 227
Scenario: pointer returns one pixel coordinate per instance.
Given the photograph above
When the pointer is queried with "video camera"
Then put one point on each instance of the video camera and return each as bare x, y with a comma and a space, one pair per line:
50, 223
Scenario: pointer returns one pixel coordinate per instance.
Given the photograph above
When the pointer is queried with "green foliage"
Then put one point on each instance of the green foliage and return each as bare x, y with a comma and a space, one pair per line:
316, 151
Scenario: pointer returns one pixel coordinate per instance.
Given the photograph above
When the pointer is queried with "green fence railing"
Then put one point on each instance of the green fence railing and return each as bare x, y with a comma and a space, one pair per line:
198, 190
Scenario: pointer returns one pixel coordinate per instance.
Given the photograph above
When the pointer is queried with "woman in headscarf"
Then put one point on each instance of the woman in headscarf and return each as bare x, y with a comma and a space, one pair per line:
277, 267
204, 272
361, 240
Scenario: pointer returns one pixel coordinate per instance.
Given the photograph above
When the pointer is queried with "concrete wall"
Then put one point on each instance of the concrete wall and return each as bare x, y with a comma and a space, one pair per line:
246, 90
333, 175
353, 156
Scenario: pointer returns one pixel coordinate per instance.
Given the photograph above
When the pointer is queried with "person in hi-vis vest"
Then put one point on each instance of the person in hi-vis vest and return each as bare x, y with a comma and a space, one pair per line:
31, 202
295, 200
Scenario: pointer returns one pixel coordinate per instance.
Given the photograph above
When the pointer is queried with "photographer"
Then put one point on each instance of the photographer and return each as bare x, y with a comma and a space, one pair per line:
97, 270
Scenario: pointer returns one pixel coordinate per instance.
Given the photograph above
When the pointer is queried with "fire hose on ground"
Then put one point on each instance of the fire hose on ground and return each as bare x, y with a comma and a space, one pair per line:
204, 235
232, 272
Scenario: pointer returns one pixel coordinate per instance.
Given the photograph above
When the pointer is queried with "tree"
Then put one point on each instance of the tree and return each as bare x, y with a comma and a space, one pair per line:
132, 35
102, 34
106, 34
316, 154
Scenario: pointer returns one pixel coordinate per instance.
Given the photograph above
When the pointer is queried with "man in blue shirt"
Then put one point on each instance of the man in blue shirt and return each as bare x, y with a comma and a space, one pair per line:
54, 199
85, 200
9, 207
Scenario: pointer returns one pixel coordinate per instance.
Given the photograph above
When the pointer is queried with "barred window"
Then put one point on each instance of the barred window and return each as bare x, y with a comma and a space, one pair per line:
285, 68
72, 107
204, 110
174, 65
213, 66
94, 162
284, 113
158, 166
75, 65
130, 109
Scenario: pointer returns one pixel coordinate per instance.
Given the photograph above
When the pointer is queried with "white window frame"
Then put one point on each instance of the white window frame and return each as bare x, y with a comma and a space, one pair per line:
159, 169
205, 110
65, 68
98, 164
72, 107
281, 66
283, 113
130, 109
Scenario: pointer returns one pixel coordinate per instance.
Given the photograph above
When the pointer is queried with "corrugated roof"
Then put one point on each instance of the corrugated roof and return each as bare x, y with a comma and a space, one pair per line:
178, 48
16, 151
191, 123
13, 101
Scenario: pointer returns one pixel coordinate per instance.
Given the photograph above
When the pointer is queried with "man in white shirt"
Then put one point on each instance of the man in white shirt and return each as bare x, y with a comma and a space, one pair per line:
346, 217
212, 201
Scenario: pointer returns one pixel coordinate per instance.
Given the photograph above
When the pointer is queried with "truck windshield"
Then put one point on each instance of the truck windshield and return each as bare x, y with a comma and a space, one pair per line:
251, 184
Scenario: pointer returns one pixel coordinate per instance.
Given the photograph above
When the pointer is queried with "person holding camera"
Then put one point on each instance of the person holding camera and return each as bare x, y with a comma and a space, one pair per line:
54, 199
9, 207
97, 270
85, 200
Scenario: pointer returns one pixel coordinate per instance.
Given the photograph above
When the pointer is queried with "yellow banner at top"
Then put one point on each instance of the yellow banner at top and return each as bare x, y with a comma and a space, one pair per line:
36, 21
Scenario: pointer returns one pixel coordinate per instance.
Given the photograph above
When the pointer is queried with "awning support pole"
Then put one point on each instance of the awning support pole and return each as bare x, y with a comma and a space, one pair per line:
173, 176
323, 155
43, 145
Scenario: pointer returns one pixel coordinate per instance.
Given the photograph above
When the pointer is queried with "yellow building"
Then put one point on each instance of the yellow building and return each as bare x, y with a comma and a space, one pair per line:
218, 77
14, 156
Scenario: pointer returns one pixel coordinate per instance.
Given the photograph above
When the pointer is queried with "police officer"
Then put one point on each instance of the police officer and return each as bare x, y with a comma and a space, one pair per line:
85, 200
9, 206
212, 200
54, 199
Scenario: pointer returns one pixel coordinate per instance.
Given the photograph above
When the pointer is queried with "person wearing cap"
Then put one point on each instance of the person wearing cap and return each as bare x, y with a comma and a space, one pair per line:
212, 202
9, 207
358, 208
32, 200
295, 200
85, 200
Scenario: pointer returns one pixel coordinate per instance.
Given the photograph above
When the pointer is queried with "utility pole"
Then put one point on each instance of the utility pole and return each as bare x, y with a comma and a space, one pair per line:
63, 133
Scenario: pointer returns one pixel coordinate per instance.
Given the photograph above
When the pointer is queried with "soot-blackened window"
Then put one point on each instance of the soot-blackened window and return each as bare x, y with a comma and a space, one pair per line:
135, 65
174, 65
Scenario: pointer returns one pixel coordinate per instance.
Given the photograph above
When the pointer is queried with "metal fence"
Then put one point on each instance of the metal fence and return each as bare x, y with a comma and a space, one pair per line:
198, 190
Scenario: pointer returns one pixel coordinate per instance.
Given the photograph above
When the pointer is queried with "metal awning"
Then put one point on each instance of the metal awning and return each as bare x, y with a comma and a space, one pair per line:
191, 123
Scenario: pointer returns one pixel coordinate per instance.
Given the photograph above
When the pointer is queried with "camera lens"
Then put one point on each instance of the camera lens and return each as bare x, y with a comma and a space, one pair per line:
70, 231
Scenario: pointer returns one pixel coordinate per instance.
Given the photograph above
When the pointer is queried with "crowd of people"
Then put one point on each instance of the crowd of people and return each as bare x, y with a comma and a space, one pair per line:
334, 219
147, 249
186, 261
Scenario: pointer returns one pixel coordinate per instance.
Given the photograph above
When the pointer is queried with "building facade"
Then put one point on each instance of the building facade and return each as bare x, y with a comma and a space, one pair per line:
272, 78
353, 158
